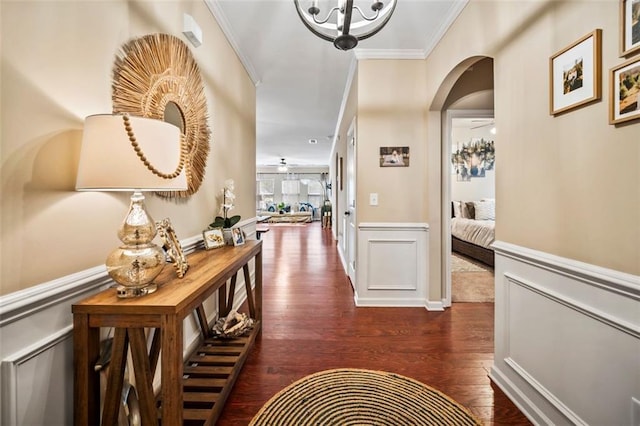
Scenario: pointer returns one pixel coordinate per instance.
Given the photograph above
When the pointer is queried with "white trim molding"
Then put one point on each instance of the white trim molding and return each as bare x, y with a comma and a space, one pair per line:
218, 14
567, 338
392, 264
17, 393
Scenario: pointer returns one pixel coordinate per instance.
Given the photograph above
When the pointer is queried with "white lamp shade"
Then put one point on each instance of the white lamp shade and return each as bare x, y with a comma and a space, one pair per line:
108, 161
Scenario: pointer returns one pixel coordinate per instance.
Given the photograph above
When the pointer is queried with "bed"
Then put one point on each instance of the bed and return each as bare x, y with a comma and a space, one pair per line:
473, 229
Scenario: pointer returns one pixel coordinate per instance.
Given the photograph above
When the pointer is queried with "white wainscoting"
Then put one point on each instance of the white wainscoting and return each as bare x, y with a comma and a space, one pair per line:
567, 338
392, 264
36, 331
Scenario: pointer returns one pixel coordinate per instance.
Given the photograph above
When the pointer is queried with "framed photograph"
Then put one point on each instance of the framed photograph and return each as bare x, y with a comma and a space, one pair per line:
629, 27
213, 238
171, 246
394, 156
238, 236
624, 104
575, 74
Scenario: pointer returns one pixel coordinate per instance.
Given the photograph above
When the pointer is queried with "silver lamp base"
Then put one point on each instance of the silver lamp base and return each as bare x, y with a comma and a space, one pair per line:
135, 264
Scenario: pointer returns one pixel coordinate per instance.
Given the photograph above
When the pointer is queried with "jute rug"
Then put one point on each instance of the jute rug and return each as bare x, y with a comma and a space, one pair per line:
361, 397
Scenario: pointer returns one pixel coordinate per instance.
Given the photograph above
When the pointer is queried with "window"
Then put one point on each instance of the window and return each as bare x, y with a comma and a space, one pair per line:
290, 191
265, 186
315, 187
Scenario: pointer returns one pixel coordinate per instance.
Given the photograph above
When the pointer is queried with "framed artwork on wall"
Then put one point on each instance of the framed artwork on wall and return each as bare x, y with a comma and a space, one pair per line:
394, 156
624, 104
575, 74
629, 27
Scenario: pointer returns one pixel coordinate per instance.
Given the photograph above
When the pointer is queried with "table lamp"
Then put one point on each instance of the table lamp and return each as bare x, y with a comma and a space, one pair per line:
127, 153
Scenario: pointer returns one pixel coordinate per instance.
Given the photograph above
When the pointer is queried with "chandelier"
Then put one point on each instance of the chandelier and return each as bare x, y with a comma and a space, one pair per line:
346, 24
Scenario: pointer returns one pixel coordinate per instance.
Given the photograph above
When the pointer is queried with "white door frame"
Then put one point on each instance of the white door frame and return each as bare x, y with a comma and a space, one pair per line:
446, 188
350, 232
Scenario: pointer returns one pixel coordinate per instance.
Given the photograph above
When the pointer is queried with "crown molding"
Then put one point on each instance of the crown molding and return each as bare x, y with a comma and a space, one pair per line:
353, 66
223, 22
455, 11
390, 54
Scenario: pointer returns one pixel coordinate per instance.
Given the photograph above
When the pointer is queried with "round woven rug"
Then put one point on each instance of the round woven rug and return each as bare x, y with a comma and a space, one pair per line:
361, 397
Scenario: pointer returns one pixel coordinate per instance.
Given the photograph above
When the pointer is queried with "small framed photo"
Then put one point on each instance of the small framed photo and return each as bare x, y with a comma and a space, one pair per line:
238, 236
213, 238
575, 74
629, 27
624, 104
394, 156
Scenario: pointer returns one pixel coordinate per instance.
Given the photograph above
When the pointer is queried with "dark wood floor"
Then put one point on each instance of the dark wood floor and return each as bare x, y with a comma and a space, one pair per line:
310, 323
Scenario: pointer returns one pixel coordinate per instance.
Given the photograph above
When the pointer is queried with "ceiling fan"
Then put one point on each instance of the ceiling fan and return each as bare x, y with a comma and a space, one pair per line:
490, 123
282, 167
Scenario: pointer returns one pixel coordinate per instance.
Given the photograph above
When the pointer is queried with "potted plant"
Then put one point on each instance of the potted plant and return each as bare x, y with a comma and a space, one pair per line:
223, 220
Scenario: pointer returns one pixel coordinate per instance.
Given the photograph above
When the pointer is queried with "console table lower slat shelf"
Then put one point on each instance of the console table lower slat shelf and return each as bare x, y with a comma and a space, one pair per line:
209, 375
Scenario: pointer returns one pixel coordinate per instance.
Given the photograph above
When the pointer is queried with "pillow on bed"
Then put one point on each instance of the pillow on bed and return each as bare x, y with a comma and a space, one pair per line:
485, 210
464, 210
457, 211
471, 208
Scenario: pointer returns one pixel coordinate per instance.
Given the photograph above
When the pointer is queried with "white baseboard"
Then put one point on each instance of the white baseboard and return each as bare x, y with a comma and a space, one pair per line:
431, 305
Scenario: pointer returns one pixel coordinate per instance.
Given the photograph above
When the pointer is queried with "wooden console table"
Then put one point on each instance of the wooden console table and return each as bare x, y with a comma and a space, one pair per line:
193, 391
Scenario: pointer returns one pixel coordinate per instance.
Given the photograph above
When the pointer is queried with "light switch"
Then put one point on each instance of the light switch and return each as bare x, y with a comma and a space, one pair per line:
373, 199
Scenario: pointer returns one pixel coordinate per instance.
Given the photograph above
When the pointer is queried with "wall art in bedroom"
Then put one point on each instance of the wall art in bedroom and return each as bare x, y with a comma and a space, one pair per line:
394, 156
473, 159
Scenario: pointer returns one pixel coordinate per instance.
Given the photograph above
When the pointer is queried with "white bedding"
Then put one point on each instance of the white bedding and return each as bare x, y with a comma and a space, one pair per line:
478, 232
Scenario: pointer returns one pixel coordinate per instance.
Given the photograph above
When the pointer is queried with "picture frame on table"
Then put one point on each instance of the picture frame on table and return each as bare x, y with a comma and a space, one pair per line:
213, 238
237, 236
629, 27
624, 102
575, 74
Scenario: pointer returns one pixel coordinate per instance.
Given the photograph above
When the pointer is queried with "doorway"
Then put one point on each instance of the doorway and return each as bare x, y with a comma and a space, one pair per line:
467, 122
350, 210
472, 189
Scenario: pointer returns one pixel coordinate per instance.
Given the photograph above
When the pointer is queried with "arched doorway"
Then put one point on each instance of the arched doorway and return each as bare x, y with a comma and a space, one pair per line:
467, 90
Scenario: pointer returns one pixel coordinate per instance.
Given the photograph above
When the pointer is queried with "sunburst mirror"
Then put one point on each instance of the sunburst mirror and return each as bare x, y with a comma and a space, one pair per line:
156, 76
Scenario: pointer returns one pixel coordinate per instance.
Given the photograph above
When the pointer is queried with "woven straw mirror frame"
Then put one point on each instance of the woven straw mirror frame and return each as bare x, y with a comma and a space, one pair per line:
156, 76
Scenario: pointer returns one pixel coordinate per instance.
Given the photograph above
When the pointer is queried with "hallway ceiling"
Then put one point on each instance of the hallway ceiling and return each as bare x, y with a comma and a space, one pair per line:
301, 79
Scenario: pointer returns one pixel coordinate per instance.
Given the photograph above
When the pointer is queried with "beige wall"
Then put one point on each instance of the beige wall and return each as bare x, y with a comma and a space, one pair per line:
568, 185
391, 108
57, 59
